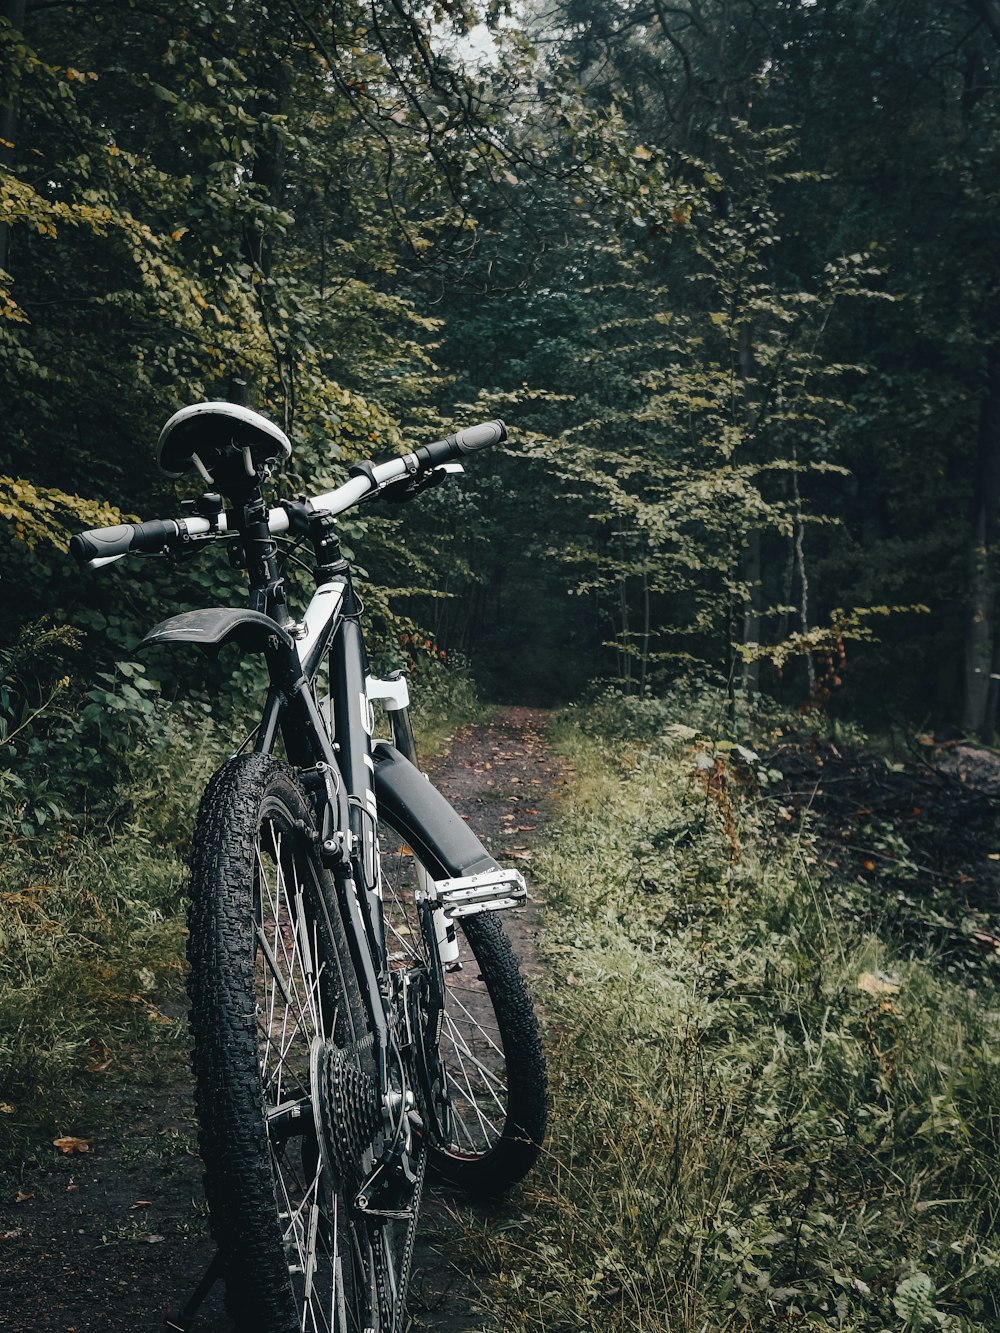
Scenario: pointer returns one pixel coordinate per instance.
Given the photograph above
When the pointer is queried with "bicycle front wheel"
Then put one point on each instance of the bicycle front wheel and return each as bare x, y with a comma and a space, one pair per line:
285, 1085
484, 1083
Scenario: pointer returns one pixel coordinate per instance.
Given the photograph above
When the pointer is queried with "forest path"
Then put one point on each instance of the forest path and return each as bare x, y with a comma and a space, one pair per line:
499, 776
104, 1240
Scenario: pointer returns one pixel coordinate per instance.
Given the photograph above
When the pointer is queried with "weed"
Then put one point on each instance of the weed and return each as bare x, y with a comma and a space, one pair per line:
767, 1110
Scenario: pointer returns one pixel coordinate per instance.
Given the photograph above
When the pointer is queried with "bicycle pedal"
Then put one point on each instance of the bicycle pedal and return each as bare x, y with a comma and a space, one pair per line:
489, 891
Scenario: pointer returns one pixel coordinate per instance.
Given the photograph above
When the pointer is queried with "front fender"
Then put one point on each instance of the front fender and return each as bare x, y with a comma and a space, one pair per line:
215, 626
439, 837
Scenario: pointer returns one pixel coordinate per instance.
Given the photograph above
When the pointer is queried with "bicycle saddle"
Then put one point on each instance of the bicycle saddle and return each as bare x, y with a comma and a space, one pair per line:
213, 437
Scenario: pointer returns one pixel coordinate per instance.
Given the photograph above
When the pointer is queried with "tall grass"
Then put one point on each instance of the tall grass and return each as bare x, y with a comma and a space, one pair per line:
765, 1114
93, 900
92, 929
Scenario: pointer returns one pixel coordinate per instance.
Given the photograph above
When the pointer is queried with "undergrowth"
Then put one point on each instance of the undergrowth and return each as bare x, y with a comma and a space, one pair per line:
98, 793
92, 916
442, 699
767, 1112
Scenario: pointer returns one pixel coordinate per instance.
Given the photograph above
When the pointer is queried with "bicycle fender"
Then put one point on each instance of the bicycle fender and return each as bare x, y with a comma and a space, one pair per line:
439, 837
215, 626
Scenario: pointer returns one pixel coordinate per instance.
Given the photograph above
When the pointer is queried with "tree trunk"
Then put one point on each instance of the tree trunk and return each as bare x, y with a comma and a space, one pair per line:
269, 171
980, 701
13, 12
750, 559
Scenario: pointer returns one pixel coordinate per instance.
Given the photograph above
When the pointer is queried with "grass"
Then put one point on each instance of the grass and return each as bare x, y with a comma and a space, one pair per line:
441, 701
93, 911
92, 935
767, 1111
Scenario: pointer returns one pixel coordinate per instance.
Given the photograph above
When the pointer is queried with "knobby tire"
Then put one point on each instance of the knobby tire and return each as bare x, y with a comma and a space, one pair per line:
272, 993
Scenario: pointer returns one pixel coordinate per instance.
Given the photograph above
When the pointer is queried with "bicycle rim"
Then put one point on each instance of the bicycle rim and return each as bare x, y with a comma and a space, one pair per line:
470, 1065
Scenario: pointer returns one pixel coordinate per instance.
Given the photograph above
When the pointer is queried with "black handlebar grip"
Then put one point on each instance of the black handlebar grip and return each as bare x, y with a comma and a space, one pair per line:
106, 543
464, 442
480, 437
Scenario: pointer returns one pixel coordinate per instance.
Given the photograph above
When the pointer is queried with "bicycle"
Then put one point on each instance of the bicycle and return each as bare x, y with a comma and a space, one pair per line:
338, 1044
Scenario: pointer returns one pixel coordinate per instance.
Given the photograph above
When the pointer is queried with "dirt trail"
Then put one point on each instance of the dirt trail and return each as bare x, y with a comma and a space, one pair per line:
499, 776
104, 1241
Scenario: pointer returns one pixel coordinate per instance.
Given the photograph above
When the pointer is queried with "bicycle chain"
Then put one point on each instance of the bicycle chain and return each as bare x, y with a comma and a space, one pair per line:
391, 1319
352, 1122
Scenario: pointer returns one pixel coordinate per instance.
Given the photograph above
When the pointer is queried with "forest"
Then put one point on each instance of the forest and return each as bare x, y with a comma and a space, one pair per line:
728, 270
732, 287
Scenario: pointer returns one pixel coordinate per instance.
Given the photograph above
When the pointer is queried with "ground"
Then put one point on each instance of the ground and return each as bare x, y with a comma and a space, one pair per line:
102, 1241
918, 825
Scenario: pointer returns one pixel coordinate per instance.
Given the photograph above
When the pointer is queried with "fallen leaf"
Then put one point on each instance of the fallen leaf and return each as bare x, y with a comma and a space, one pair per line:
143, 1203
521, 854
877, 983
993, 856
21, 1197
68, 1144
6, 1108
100, 1059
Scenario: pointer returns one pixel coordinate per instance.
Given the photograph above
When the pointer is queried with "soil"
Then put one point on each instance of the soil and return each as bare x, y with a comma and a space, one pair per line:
105, 1238
919, 828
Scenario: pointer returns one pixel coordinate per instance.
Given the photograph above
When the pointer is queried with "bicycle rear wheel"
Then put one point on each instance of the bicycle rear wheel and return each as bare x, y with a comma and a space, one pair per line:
484, 1082
285, 1090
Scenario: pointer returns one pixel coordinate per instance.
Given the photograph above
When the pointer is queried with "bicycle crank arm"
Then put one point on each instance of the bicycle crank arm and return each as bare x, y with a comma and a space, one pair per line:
467, 895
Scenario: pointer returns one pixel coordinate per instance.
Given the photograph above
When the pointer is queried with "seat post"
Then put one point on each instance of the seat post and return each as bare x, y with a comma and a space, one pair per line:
260, 553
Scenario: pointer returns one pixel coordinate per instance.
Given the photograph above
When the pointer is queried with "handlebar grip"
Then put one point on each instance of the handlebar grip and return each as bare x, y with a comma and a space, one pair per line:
464, 442
107, 543
480, 437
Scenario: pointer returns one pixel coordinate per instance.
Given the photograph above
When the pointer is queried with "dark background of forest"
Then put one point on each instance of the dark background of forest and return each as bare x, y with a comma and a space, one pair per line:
728, 270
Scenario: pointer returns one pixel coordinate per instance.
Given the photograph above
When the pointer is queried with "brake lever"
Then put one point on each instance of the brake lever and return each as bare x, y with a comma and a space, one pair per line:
408, 488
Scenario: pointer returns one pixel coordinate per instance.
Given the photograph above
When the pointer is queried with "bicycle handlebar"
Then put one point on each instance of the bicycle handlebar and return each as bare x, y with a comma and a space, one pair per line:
466, 441
102, 546
106, 544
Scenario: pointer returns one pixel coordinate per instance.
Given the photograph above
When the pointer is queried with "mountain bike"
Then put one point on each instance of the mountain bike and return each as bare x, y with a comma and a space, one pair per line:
356, 1010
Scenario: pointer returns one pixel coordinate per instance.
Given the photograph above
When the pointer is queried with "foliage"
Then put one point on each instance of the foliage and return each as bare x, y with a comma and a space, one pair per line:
91, 896
767, 1108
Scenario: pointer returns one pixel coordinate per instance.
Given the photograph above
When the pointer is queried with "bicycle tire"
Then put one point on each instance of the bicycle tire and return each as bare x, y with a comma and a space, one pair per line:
276, 1018
489, 1047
